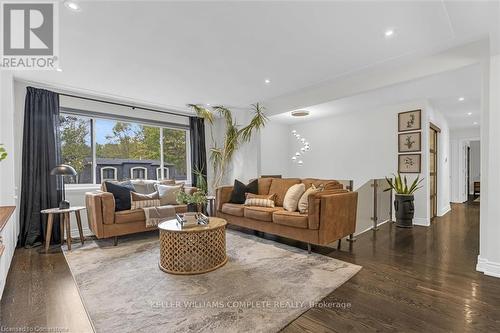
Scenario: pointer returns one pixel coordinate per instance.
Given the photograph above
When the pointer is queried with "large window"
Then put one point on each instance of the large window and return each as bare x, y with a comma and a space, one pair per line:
111, 149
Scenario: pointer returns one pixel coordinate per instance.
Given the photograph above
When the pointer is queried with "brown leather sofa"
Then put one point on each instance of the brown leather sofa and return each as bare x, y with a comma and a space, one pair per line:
331, 215
105, 222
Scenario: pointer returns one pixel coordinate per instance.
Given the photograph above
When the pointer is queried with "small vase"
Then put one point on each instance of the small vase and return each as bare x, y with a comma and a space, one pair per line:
405, 210
192, 208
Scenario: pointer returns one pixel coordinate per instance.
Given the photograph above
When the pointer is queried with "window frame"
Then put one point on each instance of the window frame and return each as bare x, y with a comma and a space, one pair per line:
139, 168
93, 116
164, 175
115, 172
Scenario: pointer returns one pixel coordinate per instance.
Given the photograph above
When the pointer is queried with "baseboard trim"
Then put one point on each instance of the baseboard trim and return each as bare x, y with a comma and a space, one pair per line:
487, 267
421, 221
370, 228
444, 211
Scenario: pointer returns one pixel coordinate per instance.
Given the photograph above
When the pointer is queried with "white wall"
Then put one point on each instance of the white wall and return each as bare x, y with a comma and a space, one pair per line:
7, 171
275, 149
489, 252
475, 164
361, 145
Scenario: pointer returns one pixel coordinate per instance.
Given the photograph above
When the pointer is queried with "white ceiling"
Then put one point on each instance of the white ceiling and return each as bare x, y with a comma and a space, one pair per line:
172, 53
442, 91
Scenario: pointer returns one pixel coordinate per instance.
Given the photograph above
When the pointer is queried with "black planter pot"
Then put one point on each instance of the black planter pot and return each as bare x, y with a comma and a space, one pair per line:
192, 208
405, 210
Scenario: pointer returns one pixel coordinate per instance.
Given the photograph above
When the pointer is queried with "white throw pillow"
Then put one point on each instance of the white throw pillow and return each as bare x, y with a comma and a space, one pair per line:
304, 199
292, 197
168, 193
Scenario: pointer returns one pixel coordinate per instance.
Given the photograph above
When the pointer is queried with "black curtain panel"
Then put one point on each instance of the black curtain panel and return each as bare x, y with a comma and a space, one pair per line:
39, 189
198, 150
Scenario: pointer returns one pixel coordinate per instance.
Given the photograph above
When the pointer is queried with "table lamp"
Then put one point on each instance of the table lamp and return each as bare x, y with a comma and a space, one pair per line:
63, 170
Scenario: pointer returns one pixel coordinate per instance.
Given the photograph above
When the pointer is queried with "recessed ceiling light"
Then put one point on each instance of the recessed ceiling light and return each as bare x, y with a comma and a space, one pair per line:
59, 69
389, 33
475, 123
469, 113
72, 5
267, 81
461, 99
300, 113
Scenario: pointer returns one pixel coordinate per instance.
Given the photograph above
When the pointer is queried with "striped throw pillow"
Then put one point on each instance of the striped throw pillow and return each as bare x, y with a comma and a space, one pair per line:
144, 200
259, 202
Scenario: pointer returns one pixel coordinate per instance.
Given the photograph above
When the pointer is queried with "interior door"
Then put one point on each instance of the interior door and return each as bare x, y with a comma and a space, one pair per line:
433, 168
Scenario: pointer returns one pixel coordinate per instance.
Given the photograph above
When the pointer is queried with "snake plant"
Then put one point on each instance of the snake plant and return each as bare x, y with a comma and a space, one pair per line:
400, 185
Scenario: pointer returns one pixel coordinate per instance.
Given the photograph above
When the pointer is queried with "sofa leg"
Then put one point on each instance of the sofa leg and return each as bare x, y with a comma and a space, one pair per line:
339, 243
115, 241
309, 248
351, 238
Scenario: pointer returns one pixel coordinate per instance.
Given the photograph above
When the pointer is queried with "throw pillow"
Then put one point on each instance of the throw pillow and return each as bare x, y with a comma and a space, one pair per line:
259, 202
144, 200
239, 190
123, 183
260, 196
168, 193
304, 199
121, 193
292, 197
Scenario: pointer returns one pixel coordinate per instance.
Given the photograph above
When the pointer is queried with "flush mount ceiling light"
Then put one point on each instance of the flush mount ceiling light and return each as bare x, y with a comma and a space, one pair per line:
267, 81
300, 113
461, 99
469, 113
389, 33
475, 123
72, 5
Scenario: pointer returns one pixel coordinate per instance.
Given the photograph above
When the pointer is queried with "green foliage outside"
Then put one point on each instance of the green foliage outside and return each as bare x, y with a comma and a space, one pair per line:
127, 141
3, 153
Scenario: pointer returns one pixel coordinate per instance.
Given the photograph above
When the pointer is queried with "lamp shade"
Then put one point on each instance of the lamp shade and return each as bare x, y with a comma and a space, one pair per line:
63, 170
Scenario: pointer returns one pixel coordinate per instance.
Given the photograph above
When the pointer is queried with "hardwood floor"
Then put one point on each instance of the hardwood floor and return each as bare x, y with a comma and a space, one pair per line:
413, 280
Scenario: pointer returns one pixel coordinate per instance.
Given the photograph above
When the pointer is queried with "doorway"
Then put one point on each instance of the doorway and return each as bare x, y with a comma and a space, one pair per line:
433, 168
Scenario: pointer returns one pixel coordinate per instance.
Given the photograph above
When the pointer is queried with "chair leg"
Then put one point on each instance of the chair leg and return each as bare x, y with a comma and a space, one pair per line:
308, 247
115, 241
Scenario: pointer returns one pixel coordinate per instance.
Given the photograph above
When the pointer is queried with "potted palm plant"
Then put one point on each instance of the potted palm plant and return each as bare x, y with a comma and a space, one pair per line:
404, 199
3, 152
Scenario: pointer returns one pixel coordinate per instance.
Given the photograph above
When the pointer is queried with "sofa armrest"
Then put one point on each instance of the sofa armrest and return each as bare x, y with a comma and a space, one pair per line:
100, 210
222, 195
337, 216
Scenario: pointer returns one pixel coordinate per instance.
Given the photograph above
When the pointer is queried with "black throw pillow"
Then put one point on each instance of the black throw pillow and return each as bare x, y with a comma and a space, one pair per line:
121, 193
240, 189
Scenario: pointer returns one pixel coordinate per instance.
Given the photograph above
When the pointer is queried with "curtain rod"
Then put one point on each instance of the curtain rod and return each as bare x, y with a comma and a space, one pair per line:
127, 105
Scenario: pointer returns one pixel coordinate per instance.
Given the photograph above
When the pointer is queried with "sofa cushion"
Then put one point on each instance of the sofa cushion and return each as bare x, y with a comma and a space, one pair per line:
303, 205
145, 186
264, 185
232, 209
137, 215
168, 193
326, 184
279, 186
292, 197
121, 193
240, 190
291, 219
261, 213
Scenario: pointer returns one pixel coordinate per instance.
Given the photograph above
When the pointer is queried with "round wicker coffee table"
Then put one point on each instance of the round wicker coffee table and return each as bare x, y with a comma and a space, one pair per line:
193, 250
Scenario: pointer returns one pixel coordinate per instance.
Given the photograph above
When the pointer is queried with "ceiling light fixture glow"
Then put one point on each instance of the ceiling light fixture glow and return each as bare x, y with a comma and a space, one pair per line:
469, 113
389, 33
72, 5
475, 123
267, 81
461, 99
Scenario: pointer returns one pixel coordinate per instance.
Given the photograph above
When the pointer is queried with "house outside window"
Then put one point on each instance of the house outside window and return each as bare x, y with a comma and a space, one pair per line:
139, 173
108, 173
102, 148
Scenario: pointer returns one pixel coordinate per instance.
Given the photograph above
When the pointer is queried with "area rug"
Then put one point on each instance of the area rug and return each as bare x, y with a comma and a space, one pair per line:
264, 286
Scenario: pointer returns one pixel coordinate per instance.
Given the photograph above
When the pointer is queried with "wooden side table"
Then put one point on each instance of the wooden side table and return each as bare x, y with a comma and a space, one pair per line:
64, 223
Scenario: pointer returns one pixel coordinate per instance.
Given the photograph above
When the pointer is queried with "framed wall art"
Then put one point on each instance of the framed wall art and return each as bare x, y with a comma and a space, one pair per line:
409, 163
410, 121
410, 142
